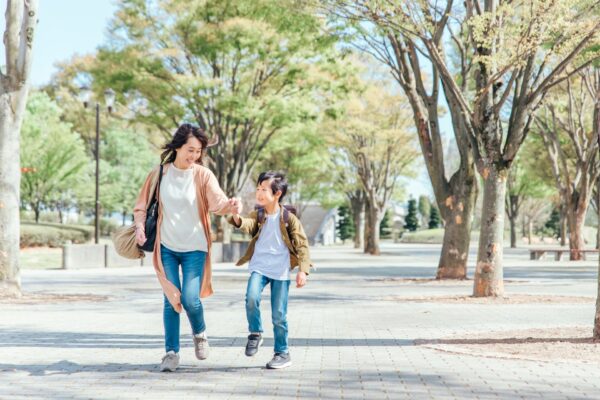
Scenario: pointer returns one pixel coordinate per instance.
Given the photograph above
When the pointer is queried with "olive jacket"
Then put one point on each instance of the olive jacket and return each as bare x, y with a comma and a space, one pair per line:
293, 235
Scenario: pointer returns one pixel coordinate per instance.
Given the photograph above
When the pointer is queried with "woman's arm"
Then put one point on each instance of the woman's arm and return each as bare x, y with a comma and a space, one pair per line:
218, 203
139, 210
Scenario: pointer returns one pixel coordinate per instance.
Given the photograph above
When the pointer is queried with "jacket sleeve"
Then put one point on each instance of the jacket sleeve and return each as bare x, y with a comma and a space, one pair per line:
218, 203
248, 224
300, 243
139, 209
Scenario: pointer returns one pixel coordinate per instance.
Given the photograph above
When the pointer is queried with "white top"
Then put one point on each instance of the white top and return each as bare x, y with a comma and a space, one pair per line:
271, 256
181, 229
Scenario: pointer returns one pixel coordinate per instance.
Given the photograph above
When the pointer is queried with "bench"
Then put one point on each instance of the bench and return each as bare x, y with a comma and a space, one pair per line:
536, 254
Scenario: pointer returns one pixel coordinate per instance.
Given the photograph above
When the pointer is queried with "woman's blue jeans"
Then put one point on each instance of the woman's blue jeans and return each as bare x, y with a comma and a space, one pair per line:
279, 300
192, 268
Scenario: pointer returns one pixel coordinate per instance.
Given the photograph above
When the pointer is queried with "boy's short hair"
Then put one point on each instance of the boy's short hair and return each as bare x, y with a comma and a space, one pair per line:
278, 181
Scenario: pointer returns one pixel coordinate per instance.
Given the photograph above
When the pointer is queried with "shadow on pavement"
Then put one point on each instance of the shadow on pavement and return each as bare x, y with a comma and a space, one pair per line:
136, 341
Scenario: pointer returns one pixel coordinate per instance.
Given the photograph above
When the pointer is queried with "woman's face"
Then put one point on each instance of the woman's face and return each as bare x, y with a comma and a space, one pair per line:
189, 153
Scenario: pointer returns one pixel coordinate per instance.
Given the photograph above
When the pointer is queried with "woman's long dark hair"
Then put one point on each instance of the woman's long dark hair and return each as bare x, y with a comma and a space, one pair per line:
181, 136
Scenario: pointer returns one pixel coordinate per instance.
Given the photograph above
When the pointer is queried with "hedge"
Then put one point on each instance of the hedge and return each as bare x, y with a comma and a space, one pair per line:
53, 235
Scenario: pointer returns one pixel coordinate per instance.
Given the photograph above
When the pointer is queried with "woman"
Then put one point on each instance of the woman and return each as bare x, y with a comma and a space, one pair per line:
188, 191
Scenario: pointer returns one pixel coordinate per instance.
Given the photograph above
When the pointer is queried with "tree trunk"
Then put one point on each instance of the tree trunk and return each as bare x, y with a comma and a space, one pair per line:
12, 106
563, 225
576, 221
488, 272
373, 220
124, 219
597, 316
223, 229
358, 214
457, 230
36, 211
513, 232
530, 230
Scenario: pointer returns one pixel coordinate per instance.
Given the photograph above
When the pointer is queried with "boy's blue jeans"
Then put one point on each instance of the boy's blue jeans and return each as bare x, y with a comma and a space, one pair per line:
192, 267
279, 300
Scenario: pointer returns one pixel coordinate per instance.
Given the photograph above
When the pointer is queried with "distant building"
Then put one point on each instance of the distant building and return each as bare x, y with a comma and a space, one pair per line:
319, 224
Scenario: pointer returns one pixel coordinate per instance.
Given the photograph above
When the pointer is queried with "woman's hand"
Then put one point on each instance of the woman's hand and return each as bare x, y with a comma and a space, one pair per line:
300, 279
140, 235
235, 203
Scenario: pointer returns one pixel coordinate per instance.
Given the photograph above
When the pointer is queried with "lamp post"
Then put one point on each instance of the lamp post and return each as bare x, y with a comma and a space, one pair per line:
85, 95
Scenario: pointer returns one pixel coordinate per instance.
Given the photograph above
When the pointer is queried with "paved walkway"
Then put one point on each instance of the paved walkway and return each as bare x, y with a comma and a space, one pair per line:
349, 340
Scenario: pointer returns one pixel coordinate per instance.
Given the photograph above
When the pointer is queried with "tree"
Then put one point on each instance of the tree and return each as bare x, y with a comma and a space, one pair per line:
244, 71
385, 229
519, 51
373, 133
596, 128
128, 158
434, 218
411, 222
552, 225
424, 209
524, 182
52, 154
345, 225
21, 20
402, 52
566, 126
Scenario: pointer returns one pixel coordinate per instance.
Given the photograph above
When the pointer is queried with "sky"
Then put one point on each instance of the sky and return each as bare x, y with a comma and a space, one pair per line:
65, 28
69, 27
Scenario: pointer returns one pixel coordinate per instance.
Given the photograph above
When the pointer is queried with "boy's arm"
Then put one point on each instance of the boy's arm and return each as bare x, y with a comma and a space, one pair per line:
246, 224
300, 243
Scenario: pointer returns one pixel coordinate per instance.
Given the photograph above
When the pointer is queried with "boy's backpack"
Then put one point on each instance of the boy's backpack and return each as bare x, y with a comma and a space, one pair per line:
287, 209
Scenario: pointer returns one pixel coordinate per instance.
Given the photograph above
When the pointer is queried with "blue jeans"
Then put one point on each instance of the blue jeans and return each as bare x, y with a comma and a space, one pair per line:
192, 266
279, 300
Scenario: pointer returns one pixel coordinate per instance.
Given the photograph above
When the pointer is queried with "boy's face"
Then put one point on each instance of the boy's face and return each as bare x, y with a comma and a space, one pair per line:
265, 195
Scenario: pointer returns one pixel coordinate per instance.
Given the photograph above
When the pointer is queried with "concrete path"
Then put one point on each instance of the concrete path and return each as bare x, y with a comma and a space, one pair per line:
350, 338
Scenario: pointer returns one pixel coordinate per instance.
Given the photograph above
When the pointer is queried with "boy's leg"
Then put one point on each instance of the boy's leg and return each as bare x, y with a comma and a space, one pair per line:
256, 284
279, 301
192, 266
170, 261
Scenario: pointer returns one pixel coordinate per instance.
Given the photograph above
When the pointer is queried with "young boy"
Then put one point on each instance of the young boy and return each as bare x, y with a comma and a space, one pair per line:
278, 245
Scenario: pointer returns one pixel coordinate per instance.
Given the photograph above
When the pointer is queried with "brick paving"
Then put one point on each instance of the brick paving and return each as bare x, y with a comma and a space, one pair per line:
348, 339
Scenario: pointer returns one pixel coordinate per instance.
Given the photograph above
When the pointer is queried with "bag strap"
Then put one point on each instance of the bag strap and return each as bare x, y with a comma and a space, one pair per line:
156, 190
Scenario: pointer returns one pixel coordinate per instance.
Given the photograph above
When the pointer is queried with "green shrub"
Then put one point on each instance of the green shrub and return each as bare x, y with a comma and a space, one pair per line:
53, 235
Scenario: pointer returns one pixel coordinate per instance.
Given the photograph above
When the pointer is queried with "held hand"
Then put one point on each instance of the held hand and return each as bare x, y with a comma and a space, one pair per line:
140, 236
235, 203
300, 279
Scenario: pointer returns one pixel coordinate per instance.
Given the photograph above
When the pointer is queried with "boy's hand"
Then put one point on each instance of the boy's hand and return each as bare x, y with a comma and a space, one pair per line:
300, 279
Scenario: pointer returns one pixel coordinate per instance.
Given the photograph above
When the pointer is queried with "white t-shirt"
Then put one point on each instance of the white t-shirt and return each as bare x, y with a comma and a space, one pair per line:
271, 256
181, 229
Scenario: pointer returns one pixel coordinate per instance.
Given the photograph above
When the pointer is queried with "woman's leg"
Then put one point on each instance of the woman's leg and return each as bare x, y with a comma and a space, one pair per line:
192, 266
279, 300
256, 284
170, 261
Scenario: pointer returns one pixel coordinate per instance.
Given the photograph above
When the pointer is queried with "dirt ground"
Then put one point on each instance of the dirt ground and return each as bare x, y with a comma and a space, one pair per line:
566, 344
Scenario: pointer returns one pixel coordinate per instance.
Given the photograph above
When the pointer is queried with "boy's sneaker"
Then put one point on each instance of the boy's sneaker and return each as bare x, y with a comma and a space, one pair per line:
170, 362
255, 340
280, 360
201, 346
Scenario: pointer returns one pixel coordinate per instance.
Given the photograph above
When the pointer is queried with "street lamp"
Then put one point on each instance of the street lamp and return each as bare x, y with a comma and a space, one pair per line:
85, 95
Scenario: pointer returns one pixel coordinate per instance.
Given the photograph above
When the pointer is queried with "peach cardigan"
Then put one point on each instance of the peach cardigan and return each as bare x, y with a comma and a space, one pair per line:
210, 198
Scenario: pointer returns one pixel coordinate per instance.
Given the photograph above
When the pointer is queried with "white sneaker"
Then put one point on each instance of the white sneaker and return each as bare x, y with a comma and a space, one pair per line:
170, 362
201, 346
